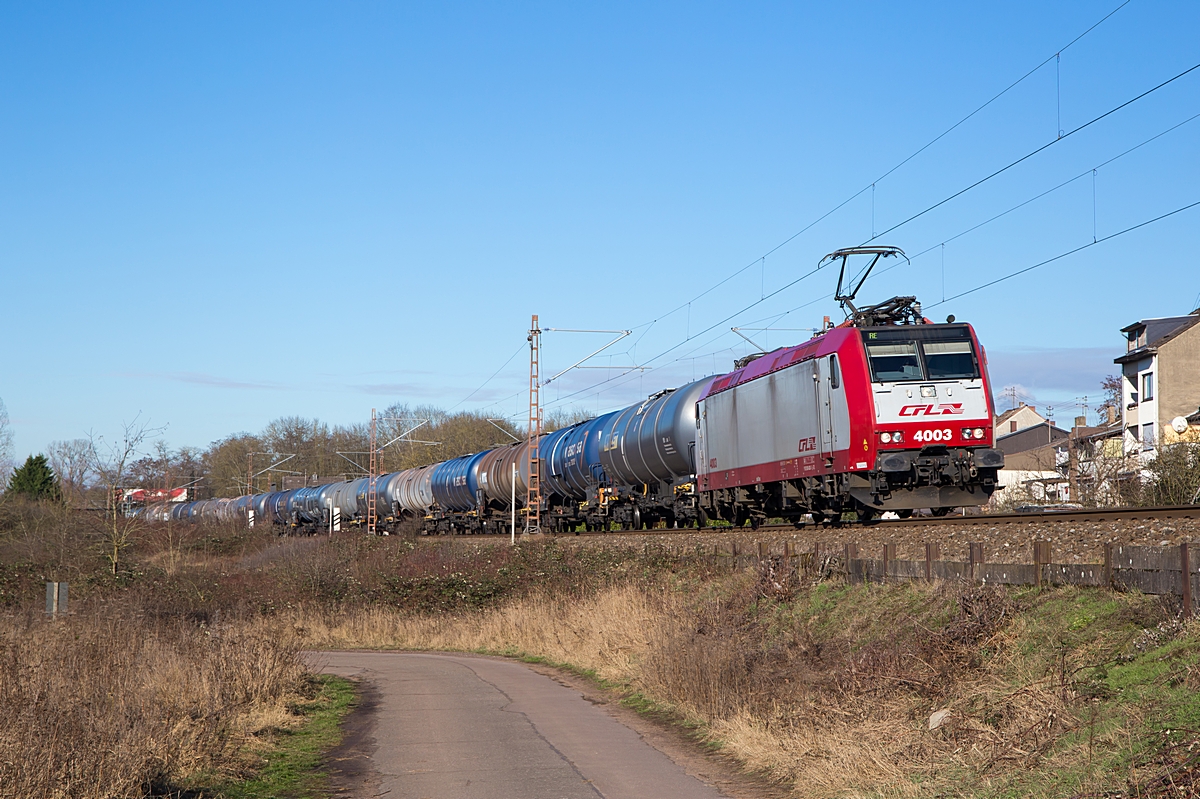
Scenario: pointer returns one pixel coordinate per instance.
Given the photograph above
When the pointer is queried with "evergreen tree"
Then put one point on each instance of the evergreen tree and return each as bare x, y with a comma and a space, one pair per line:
34, 480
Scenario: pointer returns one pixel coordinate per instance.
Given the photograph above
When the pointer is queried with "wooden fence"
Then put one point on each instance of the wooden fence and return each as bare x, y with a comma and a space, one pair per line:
1151, 570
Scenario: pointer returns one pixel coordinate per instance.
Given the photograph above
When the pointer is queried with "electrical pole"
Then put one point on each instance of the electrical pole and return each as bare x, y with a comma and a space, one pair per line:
372, 479
533, 501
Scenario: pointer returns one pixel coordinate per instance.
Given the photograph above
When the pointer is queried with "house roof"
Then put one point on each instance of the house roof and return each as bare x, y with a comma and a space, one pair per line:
1004, 417
1158, 332
1011, 412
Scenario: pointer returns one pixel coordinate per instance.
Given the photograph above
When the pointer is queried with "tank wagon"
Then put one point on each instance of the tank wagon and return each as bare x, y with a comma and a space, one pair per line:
887, 411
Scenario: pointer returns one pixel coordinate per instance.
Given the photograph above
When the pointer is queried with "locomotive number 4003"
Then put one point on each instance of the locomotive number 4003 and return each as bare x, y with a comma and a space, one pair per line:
933, 435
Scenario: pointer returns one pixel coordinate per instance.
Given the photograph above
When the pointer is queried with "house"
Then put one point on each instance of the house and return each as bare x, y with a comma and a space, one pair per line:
1038, 435
1048, 465
1161, 386
1016, 419
1037, 475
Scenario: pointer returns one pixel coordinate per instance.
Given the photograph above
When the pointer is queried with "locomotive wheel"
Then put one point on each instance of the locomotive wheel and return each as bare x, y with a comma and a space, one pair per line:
865, 514
702, 518
939, 512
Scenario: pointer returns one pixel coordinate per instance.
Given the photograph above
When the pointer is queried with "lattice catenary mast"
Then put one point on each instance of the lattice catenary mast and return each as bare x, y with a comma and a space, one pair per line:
533, 499
372, 477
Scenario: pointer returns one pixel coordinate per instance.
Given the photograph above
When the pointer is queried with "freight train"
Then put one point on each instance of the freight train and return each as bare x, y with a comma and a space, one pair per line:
886, 411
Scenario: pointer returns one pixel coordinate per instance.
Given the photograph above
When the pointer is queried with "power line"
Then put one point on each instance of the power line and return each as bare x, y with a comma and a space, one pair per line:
1029, 155
520, 349
1036, 197
901, 224
1065, 254
933, 305
871, 185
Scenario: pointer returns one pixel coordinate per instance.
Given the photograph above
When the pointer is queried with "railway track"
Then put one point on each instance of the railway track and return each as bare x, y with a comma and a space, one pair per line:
975, 520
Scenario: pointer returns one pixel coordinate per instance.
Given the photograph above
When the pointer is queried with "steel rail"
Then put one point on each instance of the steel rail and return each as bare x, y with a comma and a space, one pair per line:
983, 519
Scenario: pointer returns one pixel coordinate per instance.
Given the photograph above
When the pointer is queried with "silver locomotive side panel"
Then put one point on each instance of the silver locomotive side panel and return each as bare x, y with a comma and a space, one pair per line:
779, 426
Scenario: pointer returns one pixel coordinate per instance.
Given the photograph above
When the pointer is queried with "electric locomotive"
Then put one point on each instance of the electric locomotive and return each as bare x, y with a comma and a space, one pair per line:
884, 412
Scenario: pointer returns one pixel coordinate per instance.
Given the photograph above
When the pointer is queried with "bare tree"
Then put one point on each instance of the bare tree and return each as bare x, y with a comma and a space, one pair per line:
1112, 386
110, 460
1173, 476
556, 420
71, 461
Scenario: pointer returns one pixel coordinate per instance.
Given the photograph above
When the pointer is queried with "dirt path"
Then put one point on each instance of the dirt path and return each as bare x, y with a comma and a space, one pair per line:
460, 726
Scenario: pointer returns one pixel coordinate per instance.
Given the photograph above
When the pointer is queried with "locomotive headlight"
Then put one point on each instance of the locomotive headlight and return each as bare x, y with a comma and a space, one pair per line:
897, 438
886, 438
979, 432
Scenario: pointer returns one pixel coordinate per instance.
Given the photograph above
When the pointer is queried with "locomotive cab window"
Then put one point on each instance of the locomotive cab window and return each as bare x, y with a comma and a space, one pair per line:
912, 353
895, 361
950, 360
835, 379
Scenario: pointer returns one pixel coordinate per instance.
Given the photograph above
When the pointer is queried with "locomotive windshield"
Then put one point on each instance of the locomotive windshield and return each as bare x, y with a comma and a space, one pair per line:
927, 352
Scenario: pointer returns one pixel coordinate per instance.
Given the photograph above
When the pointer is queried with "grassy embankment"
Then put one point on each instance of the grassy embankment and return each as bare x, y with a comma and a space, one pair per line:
824, 687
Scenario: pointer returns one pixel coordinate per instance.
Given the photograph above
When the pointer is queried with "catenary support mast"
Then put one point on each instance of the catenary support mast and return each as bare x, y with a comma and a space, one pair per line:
533, 499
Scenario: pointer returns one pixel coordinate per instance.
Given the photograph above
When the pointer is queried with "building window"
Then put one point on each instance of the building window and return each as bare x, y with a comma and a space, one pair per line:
1147, 436
1133, 432
1147, 386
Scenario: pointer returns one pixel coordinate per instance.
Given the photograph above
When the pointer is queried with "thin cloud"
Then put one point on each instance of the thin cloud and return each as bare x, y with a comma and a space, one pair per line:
1077, 369
201, 379
393, 389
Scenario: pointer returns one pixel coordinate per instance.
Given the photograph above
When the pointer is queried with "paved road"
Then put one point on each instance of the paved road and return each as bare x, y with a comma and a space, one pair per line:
451, 727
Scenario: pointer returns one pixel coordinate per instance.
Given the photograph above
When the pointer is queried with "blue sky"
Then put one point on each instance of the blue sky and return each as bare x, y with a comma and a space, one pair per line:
217, 214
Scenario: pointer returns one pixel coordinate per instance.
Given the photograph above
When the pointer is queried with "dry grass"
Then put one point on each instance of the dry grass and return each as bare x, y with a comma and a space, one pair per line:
120, 705
830, 693
826, 688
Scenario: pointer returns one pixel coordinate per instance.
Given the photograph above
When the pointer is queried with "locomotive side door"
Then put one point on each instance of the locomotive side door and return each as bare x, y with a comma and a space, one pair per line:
828, 380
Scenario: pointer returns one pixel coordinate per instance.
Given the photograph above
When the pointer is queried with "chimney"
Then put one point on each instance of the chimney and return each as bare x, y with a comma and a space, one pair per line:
1081, 421
825, 324
1110, 413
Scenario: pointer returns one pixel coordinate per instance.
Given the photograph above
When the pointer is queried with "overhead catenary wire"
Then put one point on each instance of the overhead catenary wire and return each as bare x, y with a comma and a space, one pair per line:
1060, 256
871, 186
1047, 192
956, 296
761, 260
1032, 153
936, 205
519, 350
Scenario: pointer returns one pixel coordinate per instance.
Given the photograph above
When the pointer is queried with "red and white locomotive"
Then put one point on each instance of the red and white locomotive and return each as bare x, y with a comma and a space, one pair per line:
884, 412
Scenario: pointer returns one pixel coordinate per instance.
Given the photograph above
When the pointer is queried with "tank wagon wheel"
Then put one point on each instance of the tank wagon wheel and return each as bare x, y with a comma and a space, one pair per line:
866, 515
939, 512
637, 518
906, 513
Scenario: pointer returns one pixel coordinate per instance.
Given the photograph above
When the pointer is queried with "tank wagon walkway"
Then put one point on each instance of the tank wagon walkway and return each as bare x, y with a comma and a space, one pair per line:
460, 727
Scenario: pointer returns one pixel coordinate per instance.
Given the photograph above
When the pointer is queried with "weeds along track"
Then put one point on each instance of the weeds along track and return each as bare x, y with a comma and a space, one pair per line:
1075, 537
